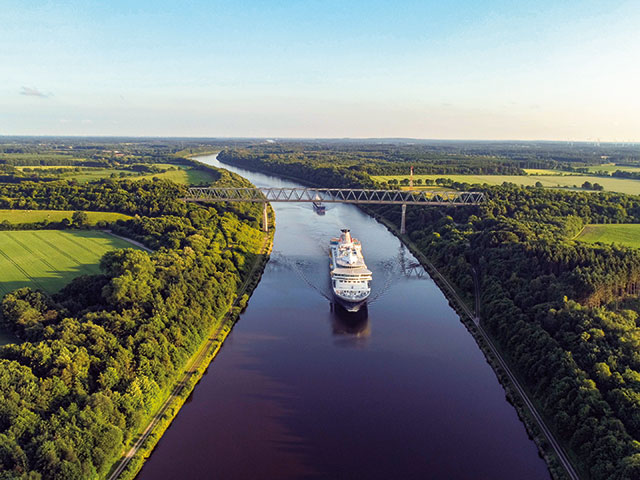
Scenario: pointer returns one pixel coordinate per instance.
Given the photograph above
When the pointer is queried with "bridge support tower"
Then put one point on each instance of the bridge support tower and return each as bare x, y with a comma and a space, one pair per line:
403, 227
265, 217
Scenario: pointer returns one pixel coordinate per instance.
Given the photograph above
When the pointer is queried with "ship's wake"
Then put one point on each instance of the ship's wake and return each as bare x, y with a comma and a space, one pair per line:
311, 274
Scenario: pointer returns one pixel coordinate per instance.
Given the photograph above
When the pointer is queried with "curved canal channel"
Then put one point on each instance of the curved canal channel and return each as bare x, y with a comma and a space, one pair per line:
300, 391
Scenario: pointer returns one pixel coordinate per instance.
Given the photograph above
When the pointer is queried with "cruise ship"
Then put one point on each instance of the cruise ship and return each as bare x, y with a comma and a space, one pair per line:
350, 278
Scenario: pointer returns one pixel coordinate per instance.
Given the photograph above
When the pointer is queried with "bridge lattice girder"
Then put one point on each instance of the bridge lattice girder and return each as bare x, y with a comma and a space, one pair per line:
334, 195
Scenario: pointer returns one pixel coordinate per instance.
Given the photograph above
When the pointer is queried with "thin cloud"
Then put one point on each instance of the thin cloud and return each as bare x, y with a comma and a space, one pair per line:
33, 92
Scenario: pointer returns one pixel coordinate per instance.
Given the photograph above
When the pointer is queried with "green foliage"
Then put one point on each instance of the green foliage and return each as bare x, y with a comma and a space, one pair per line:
626, 234
80, 218
39, 219
100, 355
549, 301
49, 259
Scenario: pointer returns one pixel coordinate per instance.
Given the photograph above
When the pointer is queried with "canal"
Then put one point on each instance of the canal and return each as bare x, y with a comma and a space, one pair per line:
301, 391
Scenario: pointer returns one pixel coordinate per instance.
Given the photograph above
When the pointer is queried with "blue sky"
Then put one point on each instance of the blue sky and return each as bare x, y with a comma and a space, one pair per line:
424, 69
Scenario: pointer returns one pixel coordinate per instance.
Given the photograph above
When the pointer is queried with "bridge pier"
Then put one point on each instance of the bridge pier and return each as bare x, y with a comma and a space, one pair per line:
403, 227
265, 217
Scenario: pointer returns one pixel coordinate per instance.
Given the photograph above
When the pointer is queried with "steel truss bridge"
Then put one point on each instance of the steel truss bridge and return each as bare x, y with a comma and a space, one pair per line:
335, 195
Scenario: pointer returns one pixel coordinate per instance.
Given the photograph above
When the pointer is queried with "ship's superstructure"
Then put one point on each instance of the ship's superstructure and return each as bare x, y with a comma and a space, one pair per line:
350, 278
319, 208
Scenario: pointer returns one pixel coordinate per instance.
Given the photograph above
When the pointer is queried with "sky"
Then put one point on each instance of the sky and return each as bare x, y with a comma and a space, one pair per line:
457, 69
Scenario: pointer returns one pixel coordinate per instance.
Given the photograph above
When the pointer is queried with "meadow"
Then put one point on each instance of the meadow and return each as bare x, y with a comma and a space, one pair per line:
34, 216
178, 174
624, 234
49, 259
621, 185
612, 167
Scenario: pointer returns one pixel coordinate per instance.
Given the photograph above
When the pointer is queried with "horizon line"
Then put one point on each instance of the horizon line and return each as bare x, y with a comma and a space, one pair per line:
281, 138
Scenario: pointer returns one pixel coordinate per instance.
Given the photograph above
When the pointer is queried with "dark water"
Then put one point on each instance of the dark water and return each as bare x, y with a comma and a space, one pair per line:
298, 391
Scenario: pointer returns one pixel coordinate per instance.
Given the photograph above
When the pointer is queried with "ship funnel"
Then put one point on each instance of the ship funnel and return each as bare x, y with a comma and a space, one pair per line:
347, 235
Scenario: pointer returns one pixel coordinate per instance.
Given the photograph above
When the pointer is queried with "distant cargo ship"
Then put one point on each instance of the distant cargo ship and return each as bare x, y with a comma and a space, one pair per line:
319, 208
350, 278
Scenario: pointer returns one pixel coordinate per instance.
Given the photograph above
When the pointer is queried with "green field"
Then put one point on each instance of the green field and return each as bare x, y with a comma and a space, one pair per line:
624, 234
44, 156
49, 259
183, 175
612, 167
544, 171
621, 185
33, 216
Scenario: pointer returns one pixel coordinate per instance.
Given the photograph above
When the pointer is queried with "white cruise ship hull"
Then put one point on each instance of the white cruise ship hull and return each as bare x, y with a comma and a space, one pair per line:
350, 278
348, 305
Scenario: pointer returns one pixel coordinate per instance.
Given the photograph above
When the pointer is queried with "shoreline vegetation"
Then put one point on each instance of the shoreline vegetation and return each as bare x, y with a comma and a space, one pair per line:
148, 322
463, 309
519, 226
147, 439
563, 312
468, 317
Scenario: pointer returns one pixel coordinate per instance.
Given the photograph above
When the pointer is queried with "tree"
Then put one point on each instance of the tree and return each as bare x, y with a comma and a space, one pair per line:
80, 219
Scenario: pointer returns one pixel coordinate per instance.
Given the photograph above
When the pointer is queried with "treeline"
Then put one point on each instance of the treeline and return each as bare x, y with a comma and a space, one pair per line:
143, 197
78, 220
558, 308
624, 174
550, 302
365, 162
326, 174
98, 357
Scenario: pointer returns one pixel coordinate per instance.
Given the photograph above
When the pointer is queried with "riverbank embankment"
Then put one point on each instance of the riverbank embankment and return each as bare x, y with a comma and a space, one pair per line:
141, 449
516, 395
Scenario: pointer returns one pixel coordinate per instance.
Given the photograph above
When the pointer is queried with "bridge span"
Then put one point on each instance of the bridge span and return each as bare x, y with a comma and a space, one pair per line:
334, 195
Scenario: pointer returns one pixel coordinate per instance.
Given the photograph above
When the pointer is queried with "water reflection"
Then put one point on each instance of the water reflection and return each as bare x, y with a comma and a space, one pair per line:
399, 390
350, 324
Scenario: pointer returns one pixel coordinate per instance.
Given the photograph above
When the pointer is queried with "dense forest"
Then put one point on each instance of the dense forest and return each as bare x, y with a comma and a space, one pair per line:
564, 313
395, 157
97, 358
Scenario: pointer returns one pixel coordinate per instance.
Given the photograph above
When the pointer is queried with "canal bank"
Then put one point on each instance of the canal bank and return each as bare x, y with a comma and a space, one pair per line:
559, 463
144, 444
549, 448
301, 392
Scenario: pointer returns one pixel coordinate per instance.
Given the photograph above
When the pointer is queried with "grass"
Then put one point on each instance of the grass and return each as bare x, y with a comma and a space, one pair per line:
612, 167
48, 156
627, 234
621, 185
49, 259
182, 175
179, 174
33, 216
44, 167
544, 171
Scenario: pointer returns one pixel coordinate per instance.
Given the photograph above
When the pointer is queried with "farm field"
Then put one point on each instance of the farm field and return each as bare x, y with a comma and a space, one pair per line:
545, 171
611, 167
624, 234
183, 175
621, 185
49, 259
33, 216
38, 157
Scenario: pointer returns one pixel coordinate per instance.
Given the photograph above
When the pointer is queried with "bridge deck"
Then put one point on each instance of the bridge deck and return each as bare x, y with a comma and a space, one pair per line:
334, 195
